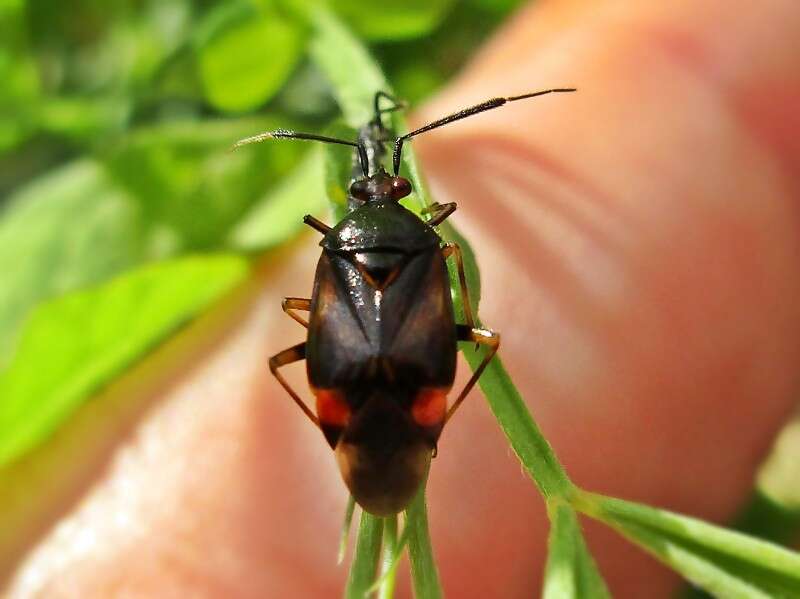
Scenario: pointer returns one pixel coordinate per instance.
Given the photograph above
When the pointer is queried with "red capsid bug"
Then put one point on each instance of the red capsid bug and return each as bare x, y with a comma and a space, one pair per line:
381, 346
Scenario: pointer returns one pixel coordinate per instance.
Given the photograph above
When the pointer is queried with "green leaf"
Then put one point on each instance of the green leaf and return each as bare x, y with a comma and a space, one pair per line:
279, 215
520, 428
190, 188
570, 571
246, 61
723, 562
355, 79
423, 564
20, 92
393, 19
72, 345
348, 66
51, 235
83, 118
364, 568
345, 534
338, 169
165, 189
390, 558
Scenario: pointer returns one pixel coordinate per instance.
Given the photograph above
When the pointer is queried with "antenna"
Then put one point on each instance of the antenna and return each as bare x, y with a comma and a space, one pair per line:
286, 134
462, 114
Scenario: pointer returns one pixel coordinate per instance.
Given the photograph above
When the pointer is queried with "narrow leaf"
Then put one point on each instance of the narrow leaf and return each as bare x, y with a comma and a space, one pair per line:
391, 548
386, 582
364, 568
74, 344
344, 536
520, 428
423, 564
570, 571
724, 562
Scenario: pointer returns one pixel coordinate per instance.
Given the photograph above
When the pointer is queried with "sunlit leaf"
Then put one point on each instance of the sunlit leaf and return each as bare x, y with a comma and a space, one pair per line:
393, 19
70, 228
187, 183
73, 344
348, 67
245, 63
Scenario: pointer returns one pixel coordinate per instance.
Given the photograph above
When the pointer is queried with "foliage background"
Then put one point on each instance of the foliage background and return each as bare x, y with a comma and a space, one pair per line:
119, 199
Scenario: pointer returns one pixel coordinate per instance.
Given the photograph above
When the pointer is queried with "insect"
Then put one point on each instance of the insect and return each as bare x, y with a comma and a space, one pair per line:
381, 346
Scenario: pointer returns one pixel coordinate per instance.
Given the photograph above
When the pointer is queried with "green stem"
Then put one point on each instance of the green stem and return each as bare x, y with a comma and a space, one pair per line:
390, 555
345, 534
367, 557
423, 564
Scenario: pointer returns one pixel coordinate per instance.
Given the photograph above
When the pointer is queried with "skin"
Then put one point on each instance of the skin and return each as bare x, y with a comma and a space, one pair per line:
639, 245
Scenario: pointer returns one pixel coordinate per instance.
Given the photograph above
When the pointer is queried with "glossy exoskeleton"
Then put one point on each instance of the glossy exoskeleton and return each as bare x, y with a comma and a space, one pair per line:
381, 346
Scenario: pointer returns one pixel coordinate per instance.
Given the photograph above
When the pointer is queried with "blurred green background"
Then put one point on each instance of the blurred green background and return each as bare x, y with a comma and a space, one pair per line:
116, 120
119, 198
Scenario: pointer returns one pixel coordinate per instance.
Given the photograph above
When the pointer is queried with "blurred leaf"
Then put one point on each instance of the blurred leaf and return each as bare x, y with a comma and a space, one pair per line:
338, 169
247, 60
83, 118
307, 94
350, 70
570, 571
392, 19
364, 568
70, 228
497, 6
100, 47
72, 345
723, 562
279, 215
190, 187
174, 188
20, 87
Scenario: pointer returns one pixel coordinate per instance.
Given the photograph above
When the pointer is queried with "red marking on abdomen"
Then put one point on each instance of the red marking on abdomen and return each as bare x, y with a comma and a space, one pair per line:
331, 407
430, 406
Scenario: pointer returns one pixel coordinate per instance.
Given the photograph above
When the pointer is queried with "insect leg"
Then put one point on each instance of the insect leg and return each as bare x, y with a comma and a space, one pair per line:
482, 337
288, 356
440, 212
317, 224
290, 304
396, 105
453, 249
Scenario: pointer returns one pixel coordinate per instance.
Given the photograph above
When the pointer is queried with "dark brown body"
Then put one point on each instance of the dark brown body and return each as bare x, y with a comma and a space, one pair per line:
381, 350
381, 345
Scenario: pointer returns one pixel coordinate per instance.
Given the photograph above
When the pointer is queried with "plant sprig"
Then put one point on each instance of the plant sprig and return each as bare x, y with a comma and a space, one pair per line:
721, 561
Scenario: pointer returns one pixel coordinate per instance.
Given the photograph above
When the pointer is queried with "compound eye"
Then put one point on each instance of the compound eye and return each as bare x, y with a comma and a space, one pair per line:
359, 190
400, 187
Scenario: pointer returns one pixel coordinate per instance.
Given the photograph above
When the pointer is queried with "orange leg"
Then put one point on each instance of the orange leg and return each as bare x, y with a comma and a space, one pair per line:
290, 304
440, 212
452, 249
485, 337
288, 356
